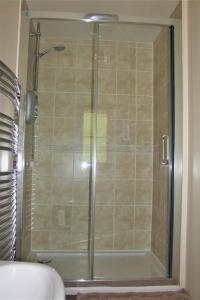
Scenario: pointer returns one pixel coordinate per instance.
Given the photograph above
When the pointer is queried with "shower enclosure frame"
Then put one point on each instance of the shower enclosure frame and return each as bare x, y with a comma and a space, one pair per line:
175, 188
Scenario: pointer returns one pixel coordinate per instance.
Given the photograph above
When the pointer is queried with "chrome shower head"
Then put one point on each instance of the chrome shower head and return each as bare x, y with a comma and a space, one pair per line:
56, 48
59, 48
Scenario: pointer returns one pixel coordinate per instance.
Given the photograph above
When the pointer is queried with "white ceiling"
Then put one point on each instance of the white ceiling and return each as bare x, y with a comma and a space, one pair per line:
139, 8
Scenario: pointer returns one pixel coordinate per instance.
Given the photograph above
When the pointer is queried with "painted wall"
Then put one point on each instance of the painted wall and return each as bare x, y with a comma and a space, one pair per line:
9, 32
193, 225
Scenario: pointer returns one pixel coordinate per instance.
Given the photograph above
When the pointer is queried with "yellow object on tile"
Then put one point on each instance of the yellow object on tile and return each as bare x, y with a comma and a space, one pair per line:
101, 137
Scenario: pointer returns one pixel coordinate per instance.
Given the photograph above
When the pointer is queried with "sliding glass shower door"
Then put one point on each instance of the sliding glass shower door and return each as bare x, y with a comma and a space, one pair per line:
101, 173
132, 203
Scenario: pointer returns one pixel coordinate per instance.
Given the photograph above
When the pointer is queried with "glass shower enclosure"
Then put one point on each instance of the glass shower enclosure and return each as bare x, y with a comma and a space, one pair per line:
101, 201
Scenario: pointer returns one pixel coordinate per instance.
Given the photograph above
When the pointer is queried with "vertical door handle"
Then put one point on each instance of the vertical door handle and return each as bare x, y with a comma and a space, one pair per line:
165, 150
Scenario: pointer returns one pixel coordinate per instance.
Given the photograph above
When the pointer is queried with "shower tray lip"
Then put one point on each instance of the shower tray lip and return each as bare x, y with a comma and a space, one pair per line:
122, 289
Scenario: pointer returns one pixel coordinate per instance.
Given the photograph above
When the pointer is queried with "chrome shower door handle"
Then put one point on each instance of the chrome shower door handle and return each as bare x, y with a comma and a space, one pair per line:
165, 150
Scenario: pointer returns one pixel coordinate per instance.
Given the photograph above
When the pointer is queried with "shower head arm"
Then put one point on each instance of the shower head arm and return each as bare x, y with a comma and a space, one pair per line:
40, 54
56, 48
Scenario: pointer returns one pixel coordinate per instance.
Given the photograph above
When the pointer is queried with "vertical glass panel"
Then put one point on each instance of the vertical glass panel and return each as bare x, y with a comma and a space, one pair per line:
131, 221
62, 153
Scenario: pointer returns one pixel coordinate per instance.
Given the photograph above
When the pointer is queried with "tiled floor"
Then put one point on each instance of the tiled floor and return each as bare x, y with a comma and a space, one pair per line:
107, 266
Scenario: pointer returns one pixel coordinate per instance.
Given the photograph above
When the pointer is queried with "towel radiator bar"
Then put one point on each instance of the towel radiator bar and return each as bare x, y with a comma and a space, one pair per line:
9, 117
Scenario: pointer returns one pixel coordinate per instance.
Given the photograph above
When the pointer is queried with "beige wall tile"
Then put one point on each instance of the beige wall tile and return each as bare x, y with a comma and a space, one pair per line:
65, 80
125, 165
106, 105
124, 132
124, 192
106, 169
64, 104
104, 219
82, 104
40, 240
125, 107
79, 223
60, 241
107, 81
61, 217
123, 218
103, 242
79, 241
61, 191
123, 241
43, 189
142, 239
105, 191
145, 59
107, 56
46, 79
63, 131
41, 216
81, 191
144, 108
62, 164
125, 58
144, 83
122, 109
144, 190
144, 133
44, 128
143, 215
144, 45
46, 104
83, 81
43, 160
144, 165
84, 56
126, 82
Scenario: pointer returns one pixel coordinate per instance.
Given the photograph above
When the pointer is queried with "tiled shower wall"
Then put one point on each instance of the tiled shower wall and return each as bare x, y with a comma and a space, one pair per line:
161, 127
124, 184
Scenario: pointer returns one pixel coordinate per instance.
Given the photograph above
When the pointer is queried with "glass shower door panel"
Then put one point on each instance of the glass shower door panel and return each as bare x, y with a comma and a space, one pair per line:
63, 144
125, 159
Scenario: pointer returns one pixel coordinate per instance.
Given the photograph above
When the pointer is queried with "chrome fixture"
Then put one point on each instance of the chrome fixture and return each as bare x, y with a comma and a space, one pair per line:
55, 48
100, 18
165, 150
9, 120
31, 106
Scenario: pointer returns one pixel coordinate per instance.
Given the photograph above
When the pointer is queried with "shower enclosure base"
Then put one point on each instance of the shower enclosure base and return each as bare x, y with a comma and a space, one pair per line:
107, 266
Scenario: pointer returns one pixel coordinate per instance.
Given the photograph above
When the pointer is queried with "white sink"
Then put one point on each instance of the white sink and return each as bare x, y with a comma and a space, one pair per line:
30, 281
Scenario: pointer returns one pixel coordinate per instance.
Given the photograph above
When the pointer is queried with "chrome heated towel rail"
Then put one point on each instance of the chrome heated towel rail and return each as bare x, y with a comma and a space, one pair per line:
9, 113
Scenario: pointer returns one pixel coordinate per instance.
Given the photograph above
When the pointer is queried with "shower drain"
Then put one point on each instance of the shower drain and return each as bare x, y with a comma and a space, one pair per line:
44, 261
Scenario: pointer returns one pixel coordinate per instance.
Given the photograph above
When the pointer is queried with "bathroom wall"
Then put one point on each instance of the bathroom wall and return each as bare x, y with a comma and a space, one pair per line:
124, 159
10, 18
160, 127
